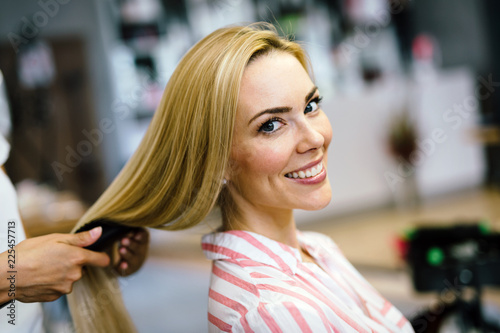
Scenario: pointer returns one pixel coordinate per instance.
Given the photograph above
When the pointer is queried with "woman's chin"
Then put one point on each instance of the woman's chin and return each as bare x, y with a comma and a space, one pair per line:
314, 207
317, 201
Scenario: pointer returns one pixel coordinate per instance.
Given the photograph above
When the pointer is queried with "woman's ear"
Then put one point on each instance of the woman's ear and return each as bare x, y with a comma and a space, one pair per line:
228, 172
231, 171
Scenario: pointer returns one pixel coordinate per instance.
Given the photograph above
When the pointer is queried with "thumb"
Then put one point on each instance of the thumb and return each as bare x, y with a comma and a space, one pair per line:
86, 238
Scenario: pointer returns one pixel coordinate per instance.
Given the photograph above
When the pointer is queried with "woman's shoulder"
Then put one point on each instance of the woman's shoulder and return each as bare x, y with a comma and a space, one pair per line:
232, 292
232, 278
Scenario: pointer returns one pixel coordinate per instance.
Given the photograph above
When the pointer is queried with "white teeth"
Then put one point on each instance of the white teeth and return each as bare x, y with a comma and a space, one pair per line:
307, 173
319, 167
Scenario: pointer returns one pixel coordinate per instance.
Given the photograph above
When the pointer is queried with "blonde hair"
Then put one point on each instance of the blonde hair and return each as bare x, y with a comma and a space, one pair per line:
174, 179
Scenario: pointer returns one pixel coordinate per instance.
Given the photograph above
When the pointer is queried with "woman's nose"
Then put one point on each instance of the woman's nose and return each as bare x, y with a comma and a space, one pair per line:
309, 137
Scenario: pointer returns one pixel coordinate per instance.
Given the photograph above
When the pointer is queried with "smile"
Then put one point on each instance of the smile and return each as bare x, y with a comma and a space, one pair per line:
307, 173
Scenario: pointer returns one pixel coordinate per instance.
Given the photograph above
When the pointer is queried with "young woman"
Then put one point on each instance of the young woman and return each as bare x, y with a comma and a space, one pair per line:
240, 126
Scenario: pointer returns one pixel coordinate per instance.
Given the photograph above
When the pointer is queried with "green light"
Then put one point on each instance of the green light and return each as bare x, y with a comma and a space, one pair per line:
484, 227
435, 256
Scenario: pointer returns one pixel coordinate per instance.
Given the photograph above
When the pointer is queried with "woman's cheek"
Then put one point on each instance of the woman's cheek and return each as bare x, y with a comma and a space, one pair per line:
263, 156
270, 159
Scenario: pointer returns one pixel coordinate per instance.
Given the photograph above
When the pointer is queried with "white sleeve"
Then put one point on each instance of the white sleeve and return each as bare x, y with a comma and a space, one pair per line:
28, 316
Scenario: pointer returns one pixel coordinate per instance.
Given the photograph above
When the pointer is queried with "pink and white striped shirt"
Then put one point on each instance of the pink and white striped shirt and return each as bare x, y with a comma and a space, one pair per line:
260, 285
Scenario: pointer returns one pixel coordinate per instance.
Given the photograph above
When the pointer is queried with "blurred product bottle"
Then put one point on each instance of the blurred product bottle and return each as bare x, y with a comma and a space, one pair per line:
426, 58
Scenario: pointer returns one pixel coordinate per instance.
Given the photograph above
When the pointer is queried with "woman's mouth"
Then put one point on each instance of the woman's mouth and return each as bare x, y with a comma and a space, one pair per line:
307, 173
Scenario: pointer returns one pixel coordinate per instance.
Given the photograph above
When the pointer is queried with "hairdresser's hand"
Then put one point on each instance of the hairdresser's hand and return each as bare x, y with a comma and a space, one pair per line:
132, 250
47, 266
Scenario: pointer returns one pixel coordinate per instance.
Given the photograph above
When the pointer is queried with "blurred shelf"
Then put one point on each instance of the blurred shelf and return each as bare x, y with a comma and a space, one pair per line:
40, 226
45, 210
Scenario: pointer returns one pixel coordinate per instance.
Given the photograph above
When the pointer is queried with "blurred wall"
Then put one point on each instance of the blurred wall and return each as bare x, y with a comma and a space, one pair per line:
360, 112
89, 20
459, 26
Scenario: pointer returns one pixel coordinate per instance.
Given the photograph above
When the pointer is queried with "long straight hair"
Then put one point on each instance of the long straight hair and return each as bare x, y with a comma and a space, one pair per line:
174, 179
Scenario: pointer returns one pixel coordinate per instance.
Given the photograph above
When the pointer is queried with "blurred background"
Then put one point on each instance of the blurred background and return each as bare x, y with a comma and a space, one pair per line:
410, 88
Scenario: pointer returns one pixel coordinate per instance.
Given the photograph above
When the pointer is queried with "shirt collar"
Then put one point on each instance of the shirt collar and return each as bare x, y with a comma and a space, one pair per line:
239, 245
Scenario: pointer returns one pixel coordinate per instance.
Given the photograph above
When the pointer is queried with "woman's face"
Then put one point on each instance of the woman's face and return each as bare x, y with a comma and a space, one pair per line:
281, 137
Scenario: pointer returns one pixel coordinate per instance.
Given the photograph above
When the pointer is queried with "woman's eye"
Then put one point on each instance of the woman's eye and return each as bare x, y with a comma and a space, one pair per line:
313, 105
270, 126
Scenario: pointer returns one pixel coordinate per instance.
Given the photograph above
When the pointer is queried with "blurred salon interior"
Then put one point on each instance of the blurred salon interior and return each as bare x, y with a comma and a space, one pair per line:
410, 88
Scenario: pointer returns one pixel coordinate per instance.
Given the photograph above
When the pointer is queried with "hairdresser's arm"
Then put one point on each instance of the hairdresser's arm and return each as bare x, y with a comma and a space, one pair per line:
133, 251
47, 266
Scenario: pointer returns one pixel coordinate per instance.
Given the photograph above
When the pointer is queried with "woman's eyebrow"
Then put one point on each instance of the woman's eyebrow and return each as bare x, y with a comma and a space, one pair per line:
282, 109
311, 93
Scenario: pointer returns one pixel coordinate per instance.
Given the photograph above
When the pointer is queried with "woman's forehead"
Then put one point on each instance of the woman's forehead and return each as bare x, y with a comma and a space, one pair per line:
273, 80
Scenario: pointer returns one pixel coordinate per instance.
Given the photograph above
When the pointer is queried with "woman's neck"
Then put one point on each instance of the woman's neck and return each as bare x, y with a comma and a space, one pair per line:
278, 225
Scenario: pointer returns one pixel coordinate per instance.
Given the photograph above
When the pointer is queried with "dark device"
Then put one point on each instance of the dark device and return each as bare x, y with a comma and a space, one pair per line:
439, 256
111, 232
464, 256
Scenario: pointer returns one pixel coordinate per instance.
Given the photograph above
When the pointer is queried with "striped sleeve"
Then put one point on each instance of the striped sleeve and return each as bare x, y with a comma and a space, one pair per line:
231, 296
285, 317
